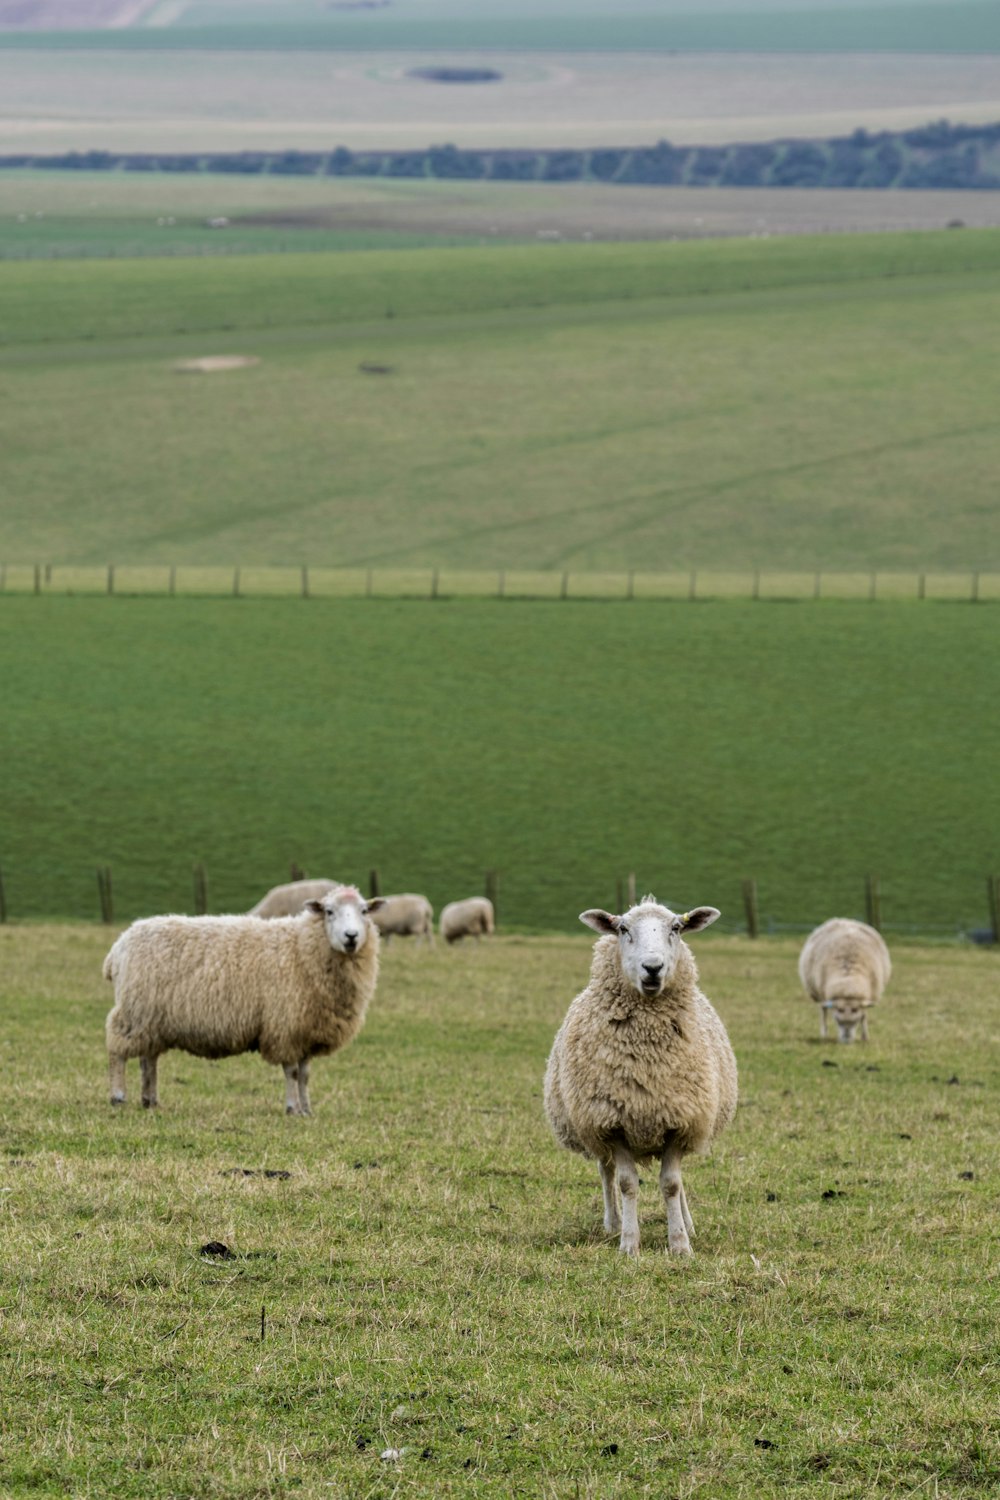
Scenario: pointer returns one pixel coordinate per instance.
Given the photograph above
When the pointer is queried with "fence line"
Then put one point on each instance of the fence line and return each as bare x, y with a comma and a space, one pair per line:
627, 888
443, 583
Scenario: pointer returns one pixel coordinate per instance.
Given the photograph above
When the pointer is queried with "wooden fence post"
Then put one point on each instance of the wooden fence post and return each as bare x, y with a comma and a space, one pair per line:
172, 582
200, 890
630, 592
873, 903
305, 583
564, 587
38, 579
434, 584
374, 884
236, 583
631, 888
975, 588
111, 578
751, 908
992, 894
295, 871
104, 892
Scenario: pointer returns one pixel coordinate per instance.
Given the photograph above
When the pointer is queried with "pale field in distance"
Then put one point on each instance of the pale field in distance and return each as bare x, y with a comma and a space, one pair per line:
310, 207
203, 101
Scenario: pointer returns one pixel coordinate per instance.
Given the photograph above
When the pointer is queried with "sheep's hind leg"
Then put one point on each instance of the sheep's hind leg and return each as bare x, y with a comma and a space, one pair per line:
304, 1087
116, 1072
673, 1197
293, 1104
148, 1066
612, 1218
628, 1185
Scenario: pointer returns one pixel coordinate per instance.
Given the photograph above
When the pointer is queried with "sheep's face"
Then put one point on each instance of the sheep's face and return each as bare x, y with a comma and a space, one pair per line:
345, 915
649, 939
849, 1015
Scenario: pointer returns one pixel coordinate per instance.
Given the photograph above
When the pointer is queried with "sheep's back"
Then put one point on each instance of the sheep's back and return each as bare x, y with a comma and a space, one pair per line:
844, 960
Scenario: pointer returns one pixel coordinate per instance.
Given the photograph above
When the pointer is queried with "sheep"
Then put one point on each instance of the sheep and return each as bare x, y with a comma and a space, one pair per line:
289, 900
291, 989
844, 966
406, 915
471, 918
641, 1066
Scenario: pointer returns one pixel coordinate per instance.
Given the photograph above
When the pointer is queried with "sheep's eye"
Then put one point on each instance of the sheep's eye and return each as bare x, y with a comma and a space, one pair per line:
624, 932
678, 927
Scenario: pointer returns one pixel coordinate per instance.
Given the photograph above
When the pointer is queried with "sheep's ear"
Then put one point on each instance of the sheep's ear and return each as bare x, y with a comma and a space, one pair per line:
316, 907
600, 921
374, 904
701, 916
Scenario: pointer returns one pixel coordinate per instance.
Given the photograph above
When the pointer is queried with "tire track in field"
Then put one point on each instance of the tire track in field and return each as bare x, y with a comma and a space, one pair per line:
653, 499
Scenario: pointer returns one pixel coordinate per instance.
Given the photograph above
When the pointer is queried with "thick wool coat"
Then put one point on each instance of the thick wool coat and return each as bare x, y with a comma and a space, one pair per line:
216, 986
639, 1070
845, 960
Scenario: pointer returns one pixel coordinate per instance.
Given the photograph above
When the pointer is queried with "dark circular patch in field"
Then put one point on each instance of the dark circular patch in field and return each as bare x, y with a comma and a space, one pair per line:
455, 75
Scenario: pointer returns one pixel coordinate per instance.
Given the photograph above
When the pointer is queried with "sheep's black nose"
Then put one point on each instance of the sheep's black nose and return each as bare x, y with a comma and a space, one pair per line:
653, 970
350, 942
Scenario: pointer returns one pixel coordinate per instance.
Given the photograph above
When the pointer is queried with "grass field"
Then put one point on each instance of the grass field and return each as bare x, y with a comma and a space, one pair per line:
72, 215
963, 26
564, 744
165, 100
787, 404
432, 1273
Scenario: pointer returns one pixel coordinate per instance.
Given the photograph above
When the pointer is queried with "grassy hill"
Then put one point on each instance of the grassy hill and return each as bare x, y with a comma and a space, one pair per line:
432, 1269
563, 743
789, 404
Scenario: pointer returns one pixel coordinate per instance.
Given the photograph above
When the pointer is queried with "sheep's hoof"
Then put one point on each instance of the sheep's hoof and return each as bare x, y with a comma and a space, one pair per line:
117, 1098
150, 1104
630, 1249
680, 1247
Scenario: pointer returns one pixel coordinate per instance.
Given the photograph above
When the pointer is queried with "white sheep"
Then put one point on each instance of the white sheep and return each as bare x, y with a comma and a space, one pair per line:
641, 1066
289, 900
470, 918
844, 967
406, 915
291, 989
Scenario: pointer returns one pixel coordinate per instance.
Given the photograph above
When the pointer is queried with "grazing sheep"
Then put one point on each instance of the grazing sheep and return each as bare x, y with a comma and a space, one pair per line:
406, 915
844, 967
291, 989
289, 900
641, 1066
471, 918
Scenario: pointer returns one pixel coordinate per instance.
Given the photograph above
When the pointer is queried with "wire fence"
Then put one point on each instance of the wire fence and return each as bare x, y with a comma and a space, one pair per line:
447, 583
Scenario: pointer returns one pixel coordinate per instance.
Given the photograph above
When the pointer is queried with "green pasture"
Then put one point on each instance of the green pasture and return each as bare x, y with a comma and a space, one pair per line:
799, 404
564, 744
431, 1276
963, 26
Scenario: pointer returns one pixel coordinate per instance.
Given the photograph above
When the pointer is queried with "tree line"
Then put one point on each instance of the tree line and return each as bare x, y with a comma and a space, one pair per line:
939, 155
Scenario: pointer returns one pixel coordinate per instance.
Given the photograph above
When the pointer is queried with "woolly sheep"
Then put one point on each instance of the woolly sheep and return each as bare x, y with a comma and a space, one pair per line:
641, 1066
289, 900
292, 989
471, 918
406, 915
844, 967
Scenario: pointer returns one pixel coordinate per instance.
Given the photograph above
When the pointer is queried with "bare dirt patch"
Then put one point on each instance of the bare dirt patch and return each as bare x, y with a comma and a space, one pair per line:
214, 364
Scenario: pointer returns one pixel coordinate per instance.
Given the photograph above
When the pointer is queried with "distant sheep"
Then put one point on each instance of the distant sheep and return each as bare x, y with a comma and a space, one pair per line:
289, 900
406, 915
291, 989
641, 1066
470, 918
844, 967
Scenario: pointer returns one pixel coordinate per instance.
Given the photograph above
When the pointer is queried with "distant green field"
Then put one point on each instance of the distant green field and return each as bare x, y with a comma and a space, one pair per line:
564, 744
794, 404
965, 26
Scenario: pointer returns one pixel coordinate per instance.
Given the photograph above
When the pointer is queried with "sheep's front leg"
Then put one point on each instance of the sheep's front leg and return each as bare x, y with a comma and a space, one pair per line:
293, 1104
673, 1197
304, 1087
612, 1218
822, 1020
116, 1072
628, 1185
864, 1026
148, 1066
